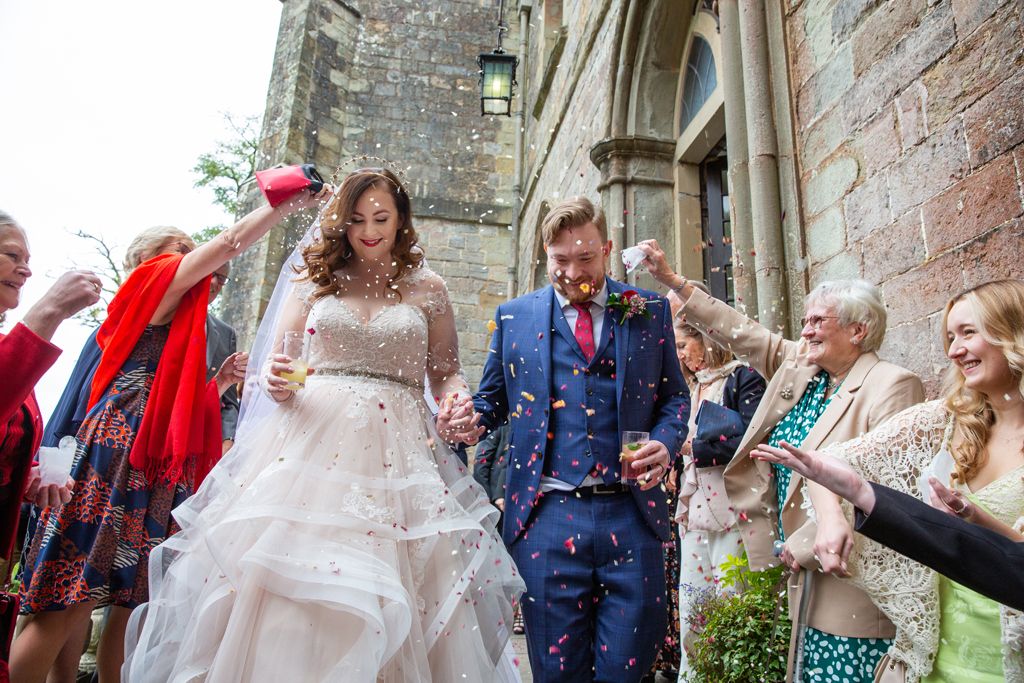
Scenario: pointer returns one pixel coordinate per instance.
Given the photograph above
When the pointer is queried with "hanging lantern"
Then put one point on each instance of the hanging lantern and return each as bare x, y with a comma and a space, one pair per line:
497, 79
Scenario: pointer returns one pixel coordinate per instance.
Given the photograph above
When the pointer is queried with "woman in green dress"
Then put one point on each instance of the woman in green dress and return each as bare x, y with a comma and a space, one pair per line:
829, 386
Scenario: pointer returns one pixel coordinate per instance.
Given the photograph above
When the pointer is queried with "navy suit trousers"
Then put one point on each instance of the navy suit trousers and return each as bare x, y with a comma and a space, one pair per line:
595, 596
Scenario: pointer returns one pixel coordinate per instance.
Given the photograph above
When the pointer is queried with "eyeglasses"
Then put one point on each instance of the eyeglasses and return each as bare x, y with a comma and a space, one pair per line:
222, 279
815, 321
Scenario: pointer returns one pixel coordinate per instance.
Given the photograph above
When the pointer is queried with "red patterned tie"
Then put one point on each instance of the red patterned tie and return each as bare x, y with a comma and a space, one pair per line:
585, 330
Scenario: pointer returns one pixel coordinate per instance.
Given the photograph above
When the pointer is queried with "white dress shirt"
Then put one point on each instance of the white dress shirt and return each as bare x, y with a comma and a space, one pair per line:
597, 305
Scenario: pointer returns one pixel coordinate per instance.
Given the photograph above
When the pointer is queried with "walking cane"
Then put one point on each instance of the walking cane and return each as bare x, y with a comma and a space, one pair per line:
801, 623
801, 626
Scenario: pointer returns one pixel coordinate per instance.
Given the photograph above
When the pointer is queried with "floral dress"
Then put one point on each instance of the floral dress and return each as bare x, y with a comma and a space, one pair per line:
827, 658
96, 547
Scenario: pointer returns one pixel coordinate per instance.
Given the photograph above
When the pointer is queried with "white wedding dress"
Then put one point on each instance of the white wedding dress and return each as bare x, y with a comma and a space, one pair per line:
339, 540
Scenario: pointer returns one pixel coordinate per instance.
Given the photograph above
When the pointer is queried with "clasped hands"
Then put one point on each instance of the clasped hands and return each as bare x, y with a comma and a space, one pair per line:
458, 421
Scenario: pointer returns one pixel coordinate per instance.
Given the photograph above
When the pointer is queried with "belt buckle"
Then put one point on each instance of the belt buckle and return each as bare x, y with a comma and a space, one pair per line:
608, 491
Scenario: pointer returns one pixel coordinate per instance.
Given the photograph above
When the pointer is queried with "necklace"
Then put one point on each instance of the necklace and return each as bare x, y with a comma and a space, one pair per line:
834, 384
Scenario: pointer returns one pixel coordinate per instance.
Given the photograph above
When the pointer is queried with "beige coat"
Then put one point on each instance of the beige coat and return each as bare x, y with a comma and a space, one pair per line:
873, 391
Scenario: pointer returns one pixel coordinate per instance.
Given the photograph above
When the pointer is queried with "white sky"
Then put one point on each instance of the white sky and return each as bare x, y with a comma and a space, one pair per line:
104, 108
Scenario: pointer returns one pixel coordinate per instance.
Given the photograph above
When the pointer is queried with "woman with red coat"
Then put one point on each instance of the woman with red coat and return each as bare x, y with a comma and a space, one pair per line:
25, 355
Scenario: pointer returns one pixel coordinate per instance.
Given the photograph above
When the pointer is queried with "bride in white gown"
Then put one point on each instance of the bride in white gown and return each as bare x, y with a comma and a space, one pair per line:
340, 539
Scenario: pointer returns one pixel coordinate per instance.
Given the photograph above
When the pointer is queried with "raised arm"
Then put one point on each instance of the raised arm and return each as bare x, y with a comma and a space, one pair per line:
762, 349
228, 244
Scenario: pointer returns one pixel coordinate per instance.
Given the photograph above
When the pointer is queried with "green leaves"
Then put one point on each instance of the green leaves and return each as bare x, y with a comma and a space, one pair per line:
741, 637
232, 163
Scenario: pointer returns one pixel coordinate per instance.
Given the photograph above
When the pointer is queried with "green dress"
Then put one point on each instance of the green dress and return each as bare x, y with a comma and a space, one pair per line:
970, 634
827, 658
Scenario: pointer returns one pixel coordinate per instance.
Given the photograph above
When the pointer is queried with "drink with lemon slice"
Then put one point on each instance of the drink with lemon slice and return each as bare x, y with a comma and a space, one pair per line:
631, 443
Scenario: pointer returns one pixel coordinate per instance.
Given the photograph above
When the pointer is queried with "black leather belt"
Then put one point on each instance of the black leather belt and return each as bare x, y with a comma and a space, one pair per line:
595, 490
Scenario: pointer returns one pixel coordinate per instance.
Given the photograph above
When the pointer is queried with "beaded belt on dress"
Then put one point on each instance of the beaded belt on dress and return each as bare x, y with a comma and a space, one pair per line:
368, 374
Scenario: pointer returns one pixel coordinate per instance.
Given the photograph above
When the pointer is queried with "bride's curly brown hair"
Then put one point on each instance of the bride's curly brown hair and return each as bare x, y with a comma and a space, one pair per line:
323, 258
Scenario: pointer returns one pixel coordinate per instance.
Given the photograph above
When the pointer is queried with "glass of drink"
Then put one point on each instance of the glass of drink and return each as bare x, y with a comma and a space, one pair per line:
631, 443
293, 346
55, 463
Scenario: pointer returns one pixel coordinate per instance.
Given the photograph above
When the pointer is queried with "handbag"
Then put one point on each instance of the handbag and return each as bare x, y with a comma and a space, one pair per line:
890, 670
280, 183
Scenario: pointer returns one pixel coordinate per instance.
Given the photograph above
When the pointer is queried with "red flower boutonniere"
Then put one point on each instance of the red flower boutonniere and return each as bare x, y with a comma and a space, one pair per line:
629, 304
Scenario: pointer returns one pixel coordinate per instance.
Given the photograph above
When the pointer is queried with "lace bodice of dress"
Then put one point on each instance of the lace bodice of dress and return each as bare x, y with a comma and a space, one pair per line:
396, 342
1004, 497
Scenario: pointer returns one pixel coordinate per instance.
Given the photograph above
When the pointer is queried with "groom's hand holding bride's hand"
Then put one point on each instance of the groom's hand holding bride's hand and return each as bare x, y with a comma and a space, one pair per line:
457, 420
653, 457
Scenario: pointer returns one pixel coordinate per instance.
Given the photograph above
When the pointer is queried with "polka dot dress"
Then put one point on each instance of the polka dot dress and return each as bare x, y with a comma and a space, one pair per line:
827, 658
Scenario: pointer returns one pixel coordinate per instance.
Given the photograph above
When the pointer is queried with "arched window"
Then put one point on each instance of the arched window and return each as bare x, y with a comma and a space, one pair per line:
701, 80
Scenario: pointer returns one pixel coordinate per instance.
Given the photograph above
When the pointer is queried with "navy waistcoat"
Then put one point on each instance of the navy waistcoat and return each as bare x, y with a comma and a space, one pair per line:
585, 431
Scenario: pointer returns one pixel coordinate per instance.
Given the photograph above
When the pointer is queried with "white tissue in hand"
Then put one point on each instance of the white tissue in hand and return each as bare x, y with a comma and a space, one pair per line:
633, 257
55, 463
942, 468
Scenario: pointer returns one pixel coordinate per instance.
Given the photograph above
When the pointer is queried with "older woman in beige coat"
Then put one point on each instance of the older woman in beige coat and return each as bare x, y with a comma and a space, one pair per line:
828, 387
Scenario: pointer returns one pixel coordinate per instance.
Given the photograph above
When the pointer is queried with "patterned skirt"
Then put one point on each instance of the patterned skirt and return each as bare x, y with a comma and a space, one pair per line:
96, 547
670, 653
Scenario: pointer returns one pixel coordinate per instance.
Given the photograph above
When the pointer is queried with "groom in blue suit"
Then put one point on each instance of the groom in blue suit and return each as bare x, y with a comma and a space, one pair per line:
571, 369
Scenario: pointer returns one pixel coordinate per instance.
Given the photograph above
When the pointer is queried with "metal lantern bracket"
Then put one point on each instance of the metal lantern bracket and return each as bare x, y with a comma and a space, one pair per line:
497, 75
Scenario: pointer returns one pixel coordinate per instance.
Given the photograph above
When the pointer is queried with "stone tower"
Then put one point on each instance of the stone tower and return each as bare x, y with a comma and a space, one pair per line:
398, 80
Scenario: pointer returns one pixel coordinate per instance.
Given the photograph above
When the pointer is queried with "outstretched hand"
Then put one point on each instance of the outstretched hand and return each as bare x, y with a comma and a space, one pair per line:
458, 421
835, 475
232, 371
834, 539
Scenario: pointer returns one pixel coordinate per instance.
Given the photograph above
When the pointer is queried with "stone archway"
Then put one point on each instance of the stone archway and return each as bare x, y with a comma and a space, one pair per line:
636, 160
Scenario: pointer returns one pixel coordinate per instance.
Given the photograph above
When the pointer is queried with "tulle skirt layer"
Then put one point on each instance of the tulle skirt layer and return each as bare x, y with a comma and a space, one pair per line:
338, 541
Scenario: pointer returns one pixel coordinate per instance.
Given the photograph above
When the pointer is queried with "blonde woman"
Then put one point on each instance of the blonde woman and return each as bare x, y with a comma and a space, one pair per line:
946, 632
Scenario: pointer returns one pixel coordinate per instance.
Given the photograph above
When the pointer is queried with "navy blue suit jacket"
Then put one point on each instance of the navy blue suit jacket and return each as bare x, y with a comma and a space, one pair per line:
516, 384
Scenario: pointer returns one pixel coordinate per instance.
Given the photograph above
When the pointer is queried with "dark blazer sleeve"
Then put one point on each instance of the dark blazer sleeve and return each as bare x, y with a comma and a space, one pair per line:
229, 401
483, 462
743, 392
973, 556
491, 399
673, 403
73, 405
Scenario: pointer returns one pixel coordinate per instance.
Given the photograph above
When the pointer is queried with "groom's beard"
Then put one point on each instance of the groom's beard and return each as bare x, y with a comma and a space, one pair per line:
578, 291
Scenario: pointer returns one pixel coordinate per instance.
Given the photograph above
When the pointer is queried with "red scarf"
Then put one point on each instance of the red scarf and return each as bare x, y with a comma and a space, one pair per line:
181, 419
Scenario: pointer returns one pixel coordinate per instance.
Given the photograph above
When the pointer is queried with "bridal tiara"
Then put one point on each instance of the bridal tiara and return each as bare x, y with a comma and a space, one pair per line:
369, 164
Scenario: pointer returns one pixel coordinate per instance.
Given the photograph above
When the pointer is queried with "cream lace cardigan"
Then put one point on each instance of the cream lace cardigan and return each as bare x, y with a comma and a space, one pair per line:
907, 592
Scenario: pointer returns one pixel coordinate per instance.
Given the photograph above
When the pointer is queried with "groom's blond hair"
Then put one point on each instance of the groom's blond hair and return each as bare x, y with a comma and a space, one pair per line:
572, 213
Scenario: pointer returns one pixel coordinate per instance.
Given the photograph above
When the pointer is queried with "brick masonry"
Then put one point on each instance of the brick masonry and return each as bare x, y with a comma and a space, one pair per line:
908, 121
932, 119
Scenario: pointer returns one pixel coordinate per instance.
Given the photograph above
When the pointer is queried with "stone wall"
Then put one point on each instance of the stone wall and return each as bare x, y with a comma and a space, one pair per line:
910, 118
566, 119
398, 80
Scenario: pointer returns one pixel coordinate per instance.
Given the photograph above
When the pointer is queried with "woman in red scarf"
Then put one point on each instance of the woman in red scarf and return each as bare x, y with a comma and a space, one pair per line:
151, 433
